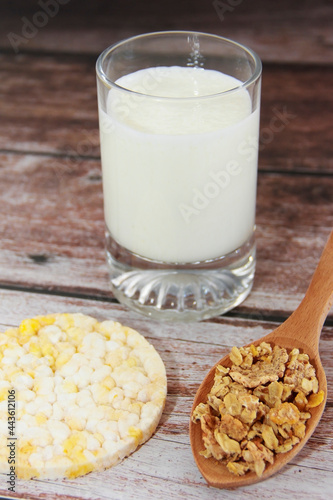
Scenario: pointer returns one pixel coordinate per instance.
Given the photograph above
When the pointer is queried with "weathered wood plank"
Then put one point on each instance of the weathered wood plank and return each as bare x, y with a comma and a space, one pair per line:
296, 131
49, 105
164, 466
52, 231
283, 31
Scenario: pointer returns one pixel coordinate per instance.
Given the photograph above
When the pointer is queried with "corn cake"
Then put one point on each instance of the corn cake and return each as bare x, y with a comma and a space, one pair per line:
76, 395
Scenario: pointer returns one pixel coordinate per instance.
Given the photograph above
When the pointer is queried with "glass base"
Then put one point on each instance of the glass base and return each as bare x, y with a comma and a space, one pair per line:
181, 292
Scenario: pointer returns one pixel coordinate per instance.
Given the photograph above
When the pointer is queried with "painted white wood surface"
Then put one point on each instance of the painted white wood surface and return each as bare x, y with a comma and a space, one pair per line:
163, 468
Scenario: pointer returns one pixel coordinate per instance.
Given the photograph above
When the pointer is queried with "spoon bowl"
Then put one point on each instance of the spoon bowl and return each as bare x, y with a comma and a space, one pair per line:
301, 330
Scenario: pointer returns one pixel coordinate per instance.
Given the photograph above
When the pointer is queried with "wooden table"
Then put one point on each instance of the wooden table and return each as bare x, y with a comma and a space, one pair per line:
52, 230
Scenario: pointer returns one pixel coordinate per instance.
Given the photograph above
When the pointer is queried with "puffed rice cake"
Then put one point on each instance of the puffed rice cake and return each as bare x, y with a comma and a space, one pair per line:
86, 394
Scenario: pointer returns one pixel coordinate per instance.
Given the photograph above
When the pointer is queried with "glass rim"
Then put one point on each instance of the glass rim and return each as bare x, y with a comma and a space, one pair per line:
111, 84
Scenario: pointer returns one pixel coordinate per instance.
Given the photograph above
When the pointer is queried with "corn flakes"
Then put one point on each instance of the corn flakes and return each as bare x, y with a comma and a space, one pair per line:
258, 407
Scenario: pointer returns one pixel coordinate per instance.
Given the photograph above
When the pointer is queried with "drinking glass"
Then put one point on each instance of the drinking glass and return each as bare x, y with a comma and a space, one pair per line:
179, 125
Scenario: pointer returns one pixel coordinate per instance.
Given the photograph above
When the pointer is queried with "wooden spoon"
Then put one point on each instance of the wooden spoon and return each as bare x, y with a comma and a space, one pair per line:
302, 330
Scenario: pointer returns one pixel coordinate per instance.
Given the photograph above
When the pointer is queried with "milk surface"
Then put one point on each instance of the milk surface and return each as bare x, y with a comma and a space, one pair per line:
179, 160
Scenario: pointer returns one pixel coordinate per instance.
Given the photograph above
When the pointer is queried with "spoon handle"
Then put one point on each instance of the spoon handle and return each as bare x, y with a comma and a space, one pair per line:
312, 311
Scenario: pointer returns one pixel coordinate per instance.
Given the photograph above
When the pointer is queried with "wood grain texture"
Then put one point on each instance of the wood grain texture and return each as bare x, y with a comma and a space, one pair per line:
52, 227
164, 467
49, 105
278, 31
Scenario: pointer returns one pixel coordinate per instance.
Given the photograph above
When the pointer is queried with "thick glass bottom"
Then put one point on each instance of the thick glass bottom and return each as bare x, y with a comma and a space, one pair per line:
181, 292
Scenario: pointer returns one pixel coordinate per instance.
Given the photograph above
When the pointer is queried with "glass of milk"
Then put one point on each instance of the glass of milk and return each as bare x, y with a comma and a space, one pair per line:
179, 124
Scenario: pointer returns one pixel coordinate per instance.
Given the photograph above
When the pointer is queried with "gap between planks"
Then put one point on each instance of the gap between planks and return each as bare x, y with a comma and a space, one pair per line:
81, 158
250, 315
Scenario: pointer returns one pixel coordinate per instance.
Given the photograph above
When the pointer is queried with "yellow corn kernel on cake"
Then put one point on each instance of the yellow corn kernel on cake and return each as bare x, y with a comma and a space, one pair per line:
76, 395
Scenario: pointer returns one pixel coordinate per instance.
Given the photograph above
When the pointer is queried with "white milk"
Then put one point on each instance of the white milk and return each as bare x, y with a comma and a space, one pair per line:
179, 175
